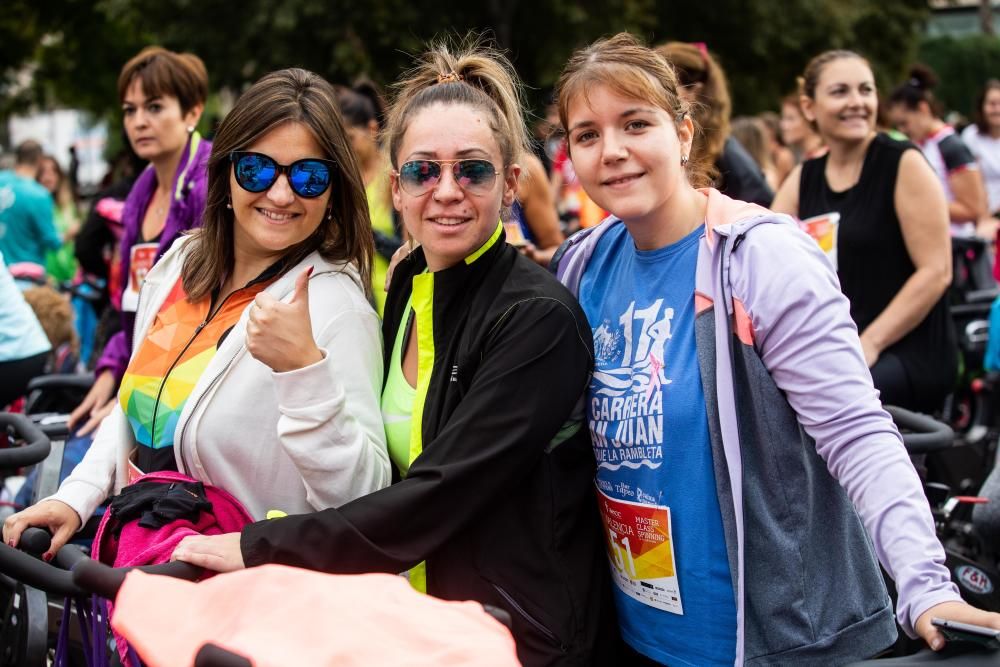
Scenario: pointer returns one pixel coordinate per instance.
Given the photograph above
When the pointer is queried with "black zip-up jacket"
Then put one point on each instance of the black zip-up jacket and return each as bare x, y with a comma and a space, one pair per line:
500, 501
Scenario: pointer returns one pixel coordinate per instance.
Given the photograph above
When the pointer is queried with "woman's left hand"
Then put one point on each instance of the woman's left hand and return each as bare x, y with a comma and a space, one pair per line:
952, 611
279, 335
219, 553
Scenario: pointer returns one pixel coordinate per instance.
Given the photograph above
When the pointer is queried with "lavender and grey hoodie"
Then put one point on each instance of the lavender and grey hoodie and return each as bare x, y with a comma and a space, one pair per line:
806, 460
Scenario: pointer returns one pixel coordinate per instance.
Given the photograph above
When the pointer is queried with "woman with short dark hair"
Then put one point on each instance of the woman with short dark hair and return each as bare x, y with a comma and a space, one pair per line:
162, 94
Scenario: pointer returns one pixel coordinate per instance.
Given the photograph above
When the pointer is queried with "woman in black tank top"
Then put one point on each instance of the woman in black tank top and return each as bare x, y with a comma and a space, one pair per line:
893, 249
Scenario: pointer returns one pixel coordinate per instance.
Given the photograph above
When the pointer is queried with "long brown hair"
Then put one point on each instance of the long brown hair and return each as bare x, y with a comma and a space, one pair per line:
289, 95
632, 70
697, 67
977, 113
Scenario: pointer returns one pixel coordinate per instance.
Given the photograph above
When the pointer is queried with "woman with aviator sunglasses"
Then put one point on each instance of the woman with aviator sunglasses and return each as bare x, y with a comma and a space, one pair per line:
488, 359
257, 366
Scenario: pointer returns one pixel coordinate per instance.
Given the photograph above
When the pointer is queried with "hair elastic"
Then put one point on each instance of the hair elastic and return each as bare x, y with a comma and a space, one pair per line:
450, 77
703, 50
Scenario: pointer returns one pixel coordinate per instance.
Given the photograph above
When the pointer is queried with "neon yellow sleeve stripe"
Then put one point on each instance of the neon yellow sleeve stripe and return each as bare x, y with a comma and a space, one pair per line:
423, 308
486, 246
422, 299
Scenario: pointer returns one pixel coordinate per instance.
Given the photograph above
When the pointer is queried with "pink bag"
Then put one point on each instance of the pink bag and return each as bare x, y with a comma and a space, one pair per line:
136, 545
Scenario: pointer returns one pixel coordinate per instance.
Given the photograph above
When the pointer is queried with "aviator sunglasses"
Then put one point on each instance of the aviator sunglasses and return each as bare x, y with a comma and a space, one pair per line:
475, 176
256, 172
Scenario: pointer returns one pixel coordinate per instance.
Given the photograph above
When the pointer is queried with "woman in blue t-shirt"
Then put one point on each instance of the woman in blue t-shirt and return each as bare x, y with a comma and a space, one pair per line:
742, 450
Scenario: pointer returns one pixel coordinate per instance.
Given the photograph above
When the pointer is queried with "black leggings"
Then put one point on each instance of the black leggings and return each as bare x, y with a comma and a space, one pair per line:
898, 387
15, 376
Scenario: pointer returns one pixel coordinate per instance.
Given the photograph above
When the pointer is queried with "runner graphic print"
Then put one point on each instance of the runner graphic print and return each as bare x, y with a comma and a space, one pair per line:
626, 399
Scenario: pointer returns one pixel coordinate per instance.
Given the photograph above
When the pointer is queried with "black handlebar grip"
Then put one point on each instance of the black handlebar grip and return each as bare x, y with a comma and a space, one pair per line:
79, 381
35, 449
177, 569
35, 541
925, 434
211, 655
105, 581
96, 577
36, 573
499, 614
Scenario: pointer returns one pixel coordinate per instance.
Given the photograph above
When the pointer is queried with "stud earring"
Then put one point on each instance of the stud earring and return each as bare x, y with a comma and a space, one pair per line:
229, 203
329, 214
684, 160
190, 129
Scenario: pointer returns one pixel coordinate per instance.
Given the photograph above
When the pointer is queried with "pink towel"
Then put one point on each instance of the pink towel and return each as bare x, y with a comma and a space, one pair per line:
279, 616
144, 546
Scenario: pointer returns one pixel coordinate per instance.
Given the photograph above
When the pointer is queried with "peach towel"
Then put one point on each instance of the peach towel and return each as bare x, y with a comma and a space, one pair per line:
282, 616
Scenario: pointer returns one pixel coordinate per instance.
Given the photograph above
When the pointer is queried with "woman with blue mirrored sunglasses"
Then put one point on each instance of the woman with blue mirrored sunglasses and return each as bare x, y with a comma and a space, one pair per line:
257, 362
162, 94
256, 172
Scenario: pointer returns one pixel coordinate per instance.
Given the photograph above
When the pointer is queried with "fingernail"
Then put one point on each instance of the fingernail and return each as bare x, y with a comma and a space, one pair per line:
47, 557
10, 543
937, 643
310, 270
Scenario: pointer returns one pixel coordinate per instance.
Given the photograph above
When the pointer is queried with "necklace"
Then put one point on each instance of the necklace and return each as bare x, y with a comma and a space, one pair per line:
160, 206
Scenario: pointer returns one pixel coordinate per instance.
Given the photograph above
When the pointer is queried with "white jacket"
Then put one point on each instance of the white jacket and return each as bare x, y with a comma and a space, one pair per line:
298, 441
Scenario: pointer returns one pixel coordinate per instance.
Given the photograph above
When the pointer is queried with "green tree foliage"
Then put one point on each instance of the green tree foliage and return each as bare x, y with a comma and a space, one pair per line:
71, 49
764, 46
963, 65
76, 47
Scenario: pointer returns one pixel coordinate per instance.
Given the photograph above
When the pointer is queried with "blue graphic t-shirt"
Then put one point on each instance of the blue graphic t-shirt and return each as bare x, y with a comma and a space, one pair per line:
656, 483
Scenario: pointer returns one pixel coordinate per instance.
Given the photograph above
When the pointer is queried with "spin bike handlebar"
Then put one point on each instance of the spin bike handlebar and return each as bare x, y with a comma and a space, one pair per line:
952, 655
73, 572
921, 434
35, 449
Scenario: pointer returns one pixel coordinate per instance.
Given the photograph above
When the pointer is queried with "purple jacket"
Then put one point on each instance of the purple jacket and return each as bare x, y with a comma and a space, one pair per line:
186, 208
801, 447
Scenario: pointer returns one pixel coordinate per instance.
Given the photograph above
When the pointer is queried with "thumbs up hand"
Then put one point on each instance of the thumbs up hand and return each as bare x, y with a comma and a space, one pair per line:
279, 335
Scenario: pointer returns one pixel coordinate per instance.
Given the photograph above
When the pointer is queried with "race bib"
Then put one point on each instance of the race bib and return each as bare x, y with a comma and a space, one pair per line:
134, 473
823, 229
640, 545
141, 260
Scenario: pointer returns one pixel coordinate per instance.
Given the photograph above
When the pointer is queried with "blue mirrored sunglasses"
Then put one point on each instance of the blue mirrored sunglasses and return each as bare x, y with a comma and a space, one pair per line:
256, 172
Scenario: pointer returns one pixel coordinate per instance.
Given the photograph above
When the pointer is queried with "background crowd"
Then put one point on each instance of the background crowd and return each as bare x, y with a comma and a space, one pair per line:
228, 287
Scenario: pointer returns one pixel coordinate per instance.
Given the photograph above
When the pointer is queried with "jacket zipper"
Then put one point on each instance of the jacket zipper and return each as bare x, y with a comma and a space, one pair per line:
201, 397
529, 618
180, 440
211, 315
